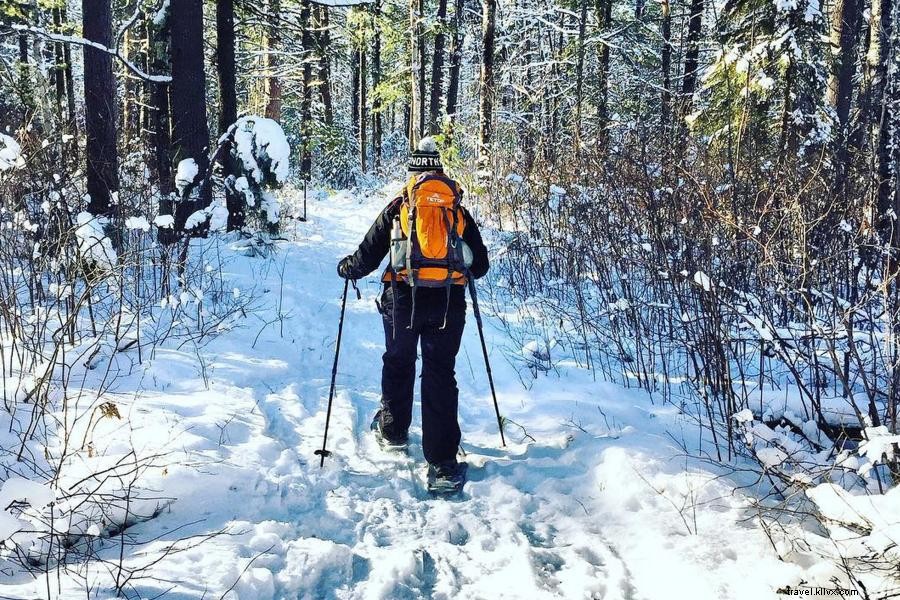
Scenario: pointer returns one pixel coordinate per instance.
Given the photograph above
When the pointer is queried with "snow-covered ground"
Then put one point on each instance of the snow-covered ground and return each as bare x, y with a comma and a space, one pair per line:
592, 498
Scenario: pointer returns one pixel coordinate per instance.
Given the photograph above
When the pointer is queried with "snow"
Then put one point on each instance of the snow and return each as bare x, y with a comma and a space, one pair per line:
10, 153
19, 489
196, 219
186, 174
591, 497
164, 221
138, 222
92, 241
261, 140
160, 17
703, 280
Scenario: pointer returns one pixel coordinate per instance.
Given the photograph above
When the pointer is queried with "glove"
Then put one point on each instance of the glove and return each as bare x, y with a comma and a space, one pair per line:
343, 268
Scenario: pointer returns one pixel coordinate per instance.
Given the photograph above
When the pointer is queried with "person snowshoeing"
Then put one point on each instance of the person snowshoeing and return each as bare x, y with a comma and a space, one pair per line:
434, 246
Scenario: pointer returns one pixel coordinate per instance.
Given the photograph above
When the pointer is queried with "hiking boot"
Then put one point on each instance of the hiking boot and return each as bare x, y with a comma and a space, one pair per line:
445, 477
387, 443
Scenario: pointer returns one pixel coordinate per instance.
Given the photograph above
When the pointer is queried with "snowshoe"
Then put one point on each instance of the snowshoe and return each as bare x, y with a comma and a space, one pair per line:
446, 478
396, 445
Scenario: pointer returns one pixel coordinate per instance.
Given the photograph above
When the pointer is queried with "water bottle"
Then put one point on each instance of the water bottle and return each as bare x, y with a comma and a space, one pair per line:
398, 247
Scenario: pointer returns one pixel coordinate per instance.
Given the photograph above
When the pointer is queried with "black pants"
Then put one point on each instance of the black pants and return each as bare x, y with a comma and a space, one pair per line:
440, 343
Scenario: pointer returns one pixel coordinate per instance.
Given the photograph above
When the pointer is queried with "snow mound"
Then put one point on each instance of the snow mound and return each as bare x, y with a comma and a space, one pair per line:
10, 153
92, 241
186, 174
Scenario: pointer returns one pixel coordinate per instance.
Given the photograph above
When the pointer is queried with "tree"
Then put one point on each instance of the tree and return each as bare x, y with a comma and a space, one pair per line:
377, 105
486, 105
437, 70
100, 109
455, 56
324, 86
225, 64
188, 93
273, 46
845, 24
603, 8
323, 45
225, 68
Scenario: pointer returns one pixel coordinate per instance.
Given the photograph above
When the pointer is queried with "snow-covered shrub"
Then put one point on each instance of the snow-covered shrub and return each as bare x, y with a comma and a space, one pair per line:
256, 155
87, 300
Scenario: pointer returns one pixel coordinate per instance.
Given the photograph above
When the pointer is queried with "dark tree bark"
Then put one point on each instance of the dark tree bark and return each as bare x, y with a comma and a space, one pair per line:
691, 59
666, 94
845, 26
190, 134
100, 109
377, 106
361, 132
603, 9
486, 106
579, 71
416, 96
455, 56
437, 71
354, 92
423, 68
323, 39
273, 45
161, 162
70, 85
59, 81
877, 60
306, 101
225, 64
225, 69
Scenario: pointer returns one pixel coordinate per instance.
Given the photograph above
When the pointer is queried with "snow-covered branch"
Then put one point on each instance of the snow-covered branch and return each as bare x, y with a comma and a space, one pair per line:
80, 41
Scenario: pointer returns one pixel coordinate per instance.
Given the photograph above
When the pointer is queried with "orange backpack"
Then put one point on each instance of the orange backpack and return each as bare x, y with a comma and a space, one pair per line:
427, 247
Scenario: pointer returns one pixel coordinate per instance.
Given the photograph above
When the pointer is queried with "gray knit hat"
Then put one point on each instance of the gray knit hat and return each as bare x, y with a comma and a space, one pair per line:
425, 158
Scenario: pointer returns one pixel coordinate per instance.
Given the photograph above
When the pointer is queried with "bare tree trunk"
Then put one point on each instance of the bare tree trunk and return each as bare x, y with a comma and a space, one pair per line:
579, 71
225, 64
362, 105
99, 109
377, 105
70, 86
306, 102
189, 128
354, 92
604, 18
414, 129
455, 56
486, 106
225, 68
877, 60
845, 25
323, 36
666, 94
691, 60
59, 82
422, 69
273, 46
437, 71
161, 162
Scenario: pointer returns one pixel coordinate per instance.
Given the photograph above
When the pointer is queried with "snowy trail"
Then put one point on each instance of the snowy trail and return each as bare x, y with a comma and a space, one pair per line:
588, 510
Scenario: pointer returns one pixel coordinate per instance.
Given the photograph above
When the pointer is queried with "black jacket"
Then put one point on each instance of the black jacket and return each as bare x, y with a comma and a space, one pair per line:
376, 244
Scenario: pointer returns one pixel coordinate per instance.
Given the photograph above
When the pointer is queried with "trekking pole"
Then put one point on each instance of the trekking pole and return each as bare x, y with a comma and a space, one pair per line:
337, 350
487, 363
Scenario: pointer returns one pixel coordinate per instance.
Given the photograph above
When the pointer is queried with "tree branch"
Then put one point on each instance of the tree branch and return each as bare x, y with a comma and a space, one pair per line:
80, 41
